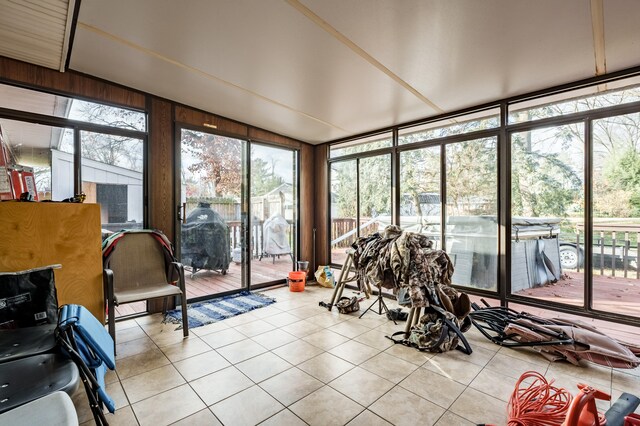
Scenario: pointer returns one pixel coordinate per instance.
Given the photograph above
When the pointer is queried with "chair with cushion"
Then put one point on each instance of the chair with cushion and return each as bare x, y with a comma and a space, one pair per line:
139, 265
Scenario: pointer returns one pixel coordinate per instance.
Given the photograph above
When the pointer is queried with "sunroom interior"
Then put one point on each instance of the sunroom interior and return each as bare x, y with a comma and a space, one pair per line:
263, 138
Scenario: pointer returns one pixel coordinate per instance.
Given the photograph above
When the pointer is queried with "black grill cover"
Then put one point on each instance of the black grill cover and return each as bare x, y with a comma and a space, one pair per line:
205, 240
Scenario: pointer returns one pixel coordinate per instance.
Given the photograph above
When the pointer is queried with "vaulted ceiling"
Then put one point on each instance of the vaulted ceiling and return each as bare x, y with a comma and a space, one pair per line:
318, 70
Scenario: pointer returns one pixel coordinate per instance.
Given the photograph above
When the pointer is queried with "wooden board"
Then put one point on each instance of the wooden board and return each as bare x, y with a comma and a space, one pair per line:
40, 234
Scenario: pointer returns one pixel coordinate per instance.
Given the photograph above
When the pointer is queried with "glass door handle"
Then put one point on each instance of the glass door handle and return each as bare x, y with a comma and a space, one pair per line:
182, 213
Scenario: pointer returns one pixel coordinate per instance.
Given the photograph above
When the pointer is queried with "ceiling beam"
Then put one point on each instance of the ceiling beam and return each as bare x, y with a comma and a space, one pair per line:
597, 25
360, 51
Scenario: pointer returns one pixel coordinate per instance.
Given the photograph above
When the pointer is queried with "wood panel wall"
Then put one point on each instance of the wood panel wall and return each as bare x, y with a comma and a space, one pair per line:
161, 166
321, 206
163, 114
70, 83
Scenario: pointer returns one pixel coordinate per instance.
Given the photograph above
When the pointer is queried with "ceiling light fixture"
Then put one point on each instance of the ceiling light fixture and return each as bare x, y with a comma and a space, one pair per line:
213, 126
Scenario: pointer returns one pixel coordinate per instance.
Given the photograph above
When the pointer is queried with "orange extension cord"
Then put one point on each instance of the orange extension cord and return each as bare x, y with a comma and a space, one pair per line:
539, 403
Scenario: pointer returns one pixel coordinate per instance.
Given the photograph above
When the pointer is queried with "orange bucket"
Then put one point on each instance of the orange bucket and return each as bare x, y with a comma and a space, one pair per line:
297, 280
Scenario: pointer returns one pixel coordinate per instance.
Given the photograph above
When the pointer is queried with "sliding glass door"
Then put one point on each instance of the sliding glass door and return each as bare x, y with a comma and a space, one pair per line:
212, 213
274, 212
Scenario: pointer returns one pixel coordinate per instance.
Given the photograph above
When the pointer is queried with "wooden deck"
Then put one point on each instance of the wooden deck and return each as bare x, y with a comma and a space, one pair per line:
611, 294
206, 283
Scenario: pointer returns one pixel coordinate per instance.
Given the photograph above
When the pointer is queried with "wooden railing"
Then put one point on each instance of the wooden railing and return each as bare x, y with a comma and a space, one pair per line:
257, 235
343, 230
619, 248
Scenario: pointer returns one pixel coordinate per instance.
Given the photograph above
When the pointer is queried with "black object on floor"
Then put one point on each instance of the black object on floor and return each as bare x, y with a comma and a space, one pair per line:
397, 314
382, 307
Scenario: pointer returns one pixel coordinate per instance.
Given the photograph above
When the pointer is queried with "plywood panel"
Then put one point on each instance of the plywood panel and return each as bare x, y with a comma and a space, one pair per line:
40, 234
71, 83
200, 118
161, 167
321, 204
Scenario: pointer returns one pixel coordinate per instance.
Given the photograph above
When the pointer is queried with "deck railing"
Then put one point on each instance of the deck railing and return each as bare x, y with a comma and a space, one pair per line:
257, 235
613, 247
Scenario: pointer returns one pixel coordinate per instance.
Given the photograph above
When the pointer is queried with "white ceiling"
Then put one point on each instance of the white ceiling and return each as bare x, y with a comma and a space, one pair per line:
318, 70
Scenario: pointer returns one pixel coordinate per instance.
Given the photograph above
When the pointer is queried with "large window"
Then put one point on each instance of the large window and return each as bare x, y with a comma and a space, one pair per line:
539, 206
110, 140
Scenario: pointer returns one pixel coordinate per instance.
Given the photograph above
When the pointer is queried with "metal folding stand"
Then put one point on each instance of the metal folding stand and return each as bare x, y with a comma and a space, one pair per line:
382, 306
414, 318
347, 268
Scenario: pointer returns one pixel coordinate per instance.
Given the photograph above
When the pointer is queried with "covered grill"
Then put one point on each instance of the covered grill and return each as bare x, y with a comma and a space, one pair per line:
205, 240
274, 237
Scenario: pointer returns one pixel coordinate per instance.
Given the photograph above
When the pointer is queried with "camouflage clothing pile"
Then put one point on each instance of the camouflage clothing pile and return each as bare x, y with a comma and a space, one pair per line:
406, 263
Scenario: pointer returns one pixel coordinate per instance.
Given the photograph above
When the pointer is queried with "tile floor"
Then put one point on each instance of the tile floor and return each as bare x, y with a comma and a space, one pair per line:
295, 363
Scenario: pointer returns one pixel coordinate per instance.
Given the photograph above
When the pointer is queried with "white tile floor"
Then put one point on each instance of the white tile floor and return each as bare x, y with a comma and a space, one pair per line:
295, 363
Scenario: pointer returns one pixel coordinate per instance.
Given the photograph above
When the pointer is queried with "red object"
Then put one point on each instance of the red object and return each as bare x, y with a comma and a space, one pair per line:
539, 403
297, 280
632, 420
583, 410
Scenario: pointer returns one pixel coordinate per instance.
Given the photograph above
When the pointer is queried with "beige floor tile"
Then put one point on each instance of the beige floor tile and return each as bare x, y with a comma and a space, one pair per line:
450, 419
140, 363
476, 339
570, 383
122, 417
152, 383
220, 385
390, 367
494, 384
305, 312
297, 352
325, 367
626, 382
513, 367
263, 366
291, 385
111, 376
326, 406
375, 339
223, 338
150, 319
302, 328
168, 407
282, 319
129, 333
81, 403
209, 328
116, 392
123, 325
133, 347
371, 320
328, 319
480, 356
453, 368
325, 339
354, 352
274, 339
254, 328
478, 407
409, 354
201, 365
157, 327
201, 418
349, 329
362, 386
240, 351
168, 337
267, 311
185, 349
284, 417
240, 319
593, 374
248, 407
631, 371
525, 354
433, 387
367, 418
401, 407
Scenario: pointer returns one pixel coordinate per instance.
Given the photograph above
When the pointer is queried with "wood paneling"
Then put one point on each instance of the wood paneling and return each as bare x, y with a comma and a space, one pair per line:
199, 118
69, 82
161, 167
266, 136
41, 234
307, 204
321, 206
